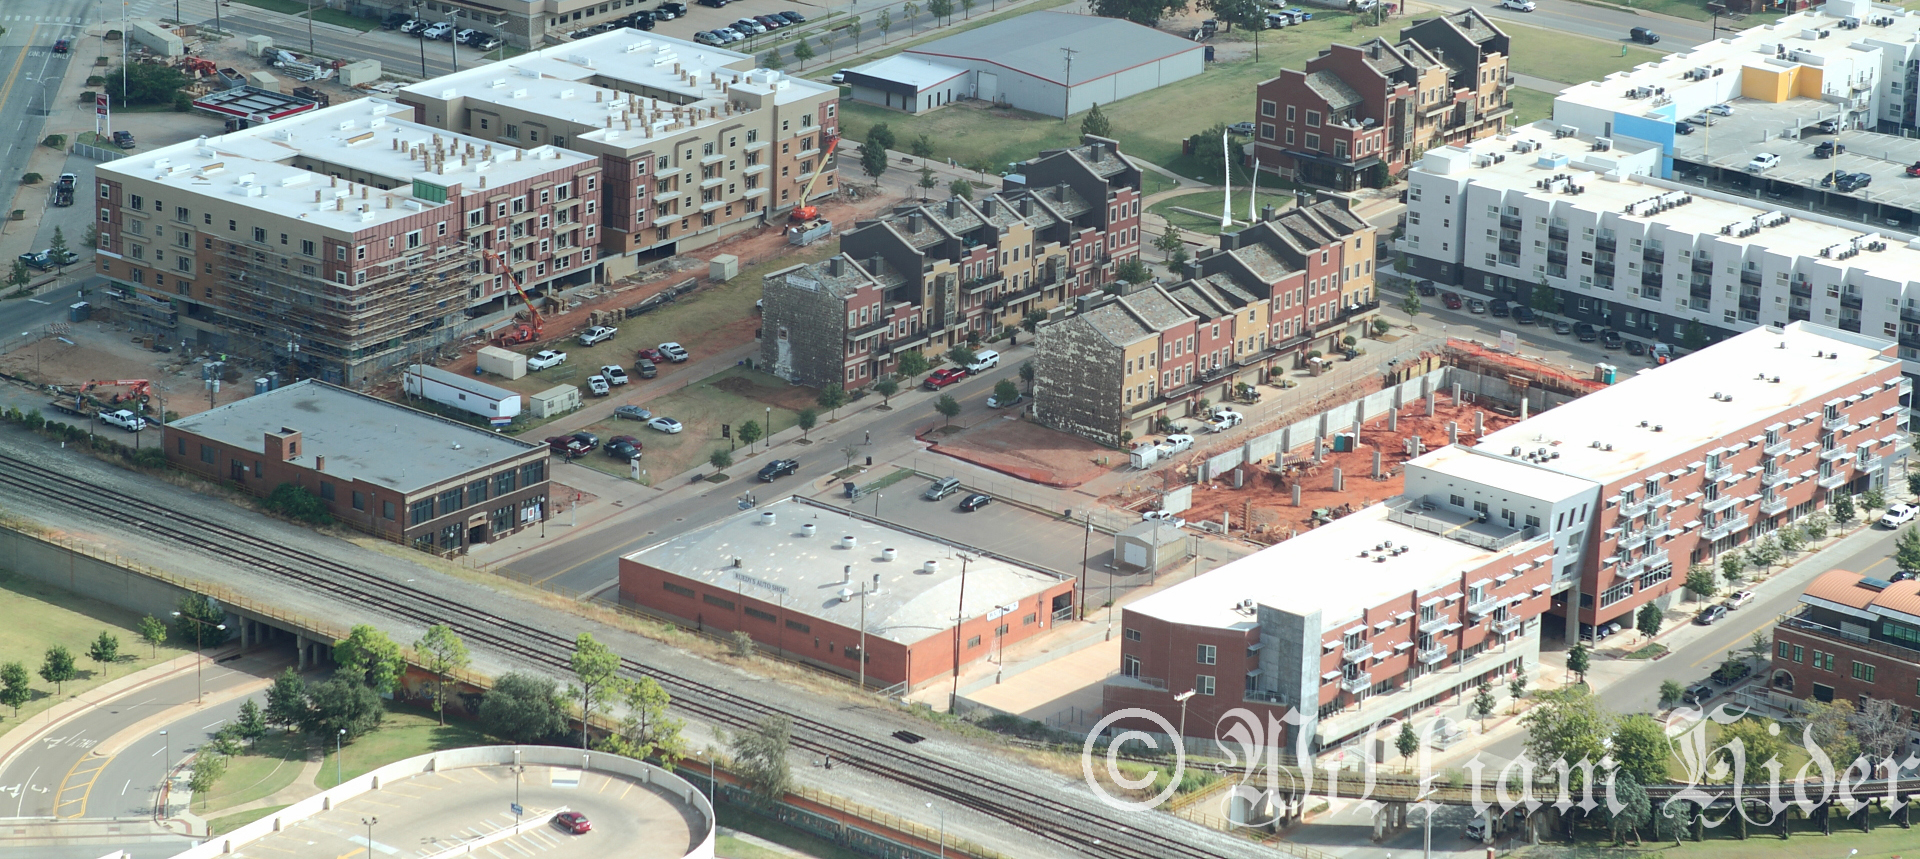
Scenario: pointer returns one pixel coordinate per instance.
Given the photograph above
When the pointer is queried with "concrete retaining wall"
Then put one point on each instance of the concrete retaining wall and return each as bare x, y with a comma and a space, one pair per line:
1341, 418
79, 573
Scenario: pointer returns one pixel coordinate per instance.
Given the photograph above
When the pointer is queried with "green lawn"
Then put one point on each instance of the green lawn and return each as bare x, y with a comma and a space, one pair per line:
1209, 201
1153, 183
223, 825
40, 616
1790, 763
1530, 105
1570, 59
732, 817
343, 19
733, 396
286, 7
268, 767
405, 733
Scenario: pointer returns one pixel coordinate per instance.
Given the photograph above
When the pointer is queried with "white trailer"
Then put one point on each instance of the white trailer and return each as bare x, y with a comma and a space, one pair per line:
461, 392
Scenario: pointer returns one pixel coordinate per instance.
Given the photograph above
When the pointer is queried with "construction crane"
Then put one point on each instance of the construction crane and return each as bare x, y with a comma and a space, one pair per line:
521, 332
805, 212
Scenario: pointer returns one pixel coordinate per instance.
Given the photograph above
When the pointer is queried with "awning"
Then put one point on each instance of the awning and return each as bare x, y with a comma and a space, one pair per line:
1329, 676
1404, 645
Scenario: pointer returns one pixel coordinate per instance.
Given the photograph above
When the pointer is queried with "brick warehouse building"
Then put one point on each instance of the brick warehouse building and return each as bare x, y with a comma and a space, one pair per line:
395, 472
800, 577
1608, 494
1854, 637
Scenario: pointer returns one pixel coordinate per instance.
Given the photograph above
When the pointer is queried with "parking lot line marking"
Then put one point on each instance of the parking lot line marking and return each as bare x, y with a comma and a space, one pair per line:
517, 848
626, 790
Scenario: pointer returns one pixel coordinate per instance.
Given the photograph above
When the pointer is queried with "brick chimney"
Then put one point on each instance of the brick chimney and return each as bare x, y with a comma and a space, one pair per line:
284, 445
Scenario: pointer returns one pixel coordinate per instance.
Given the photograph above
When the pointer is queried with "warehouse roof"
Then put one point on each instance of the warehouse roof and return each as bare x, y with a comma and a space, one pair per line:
362, 438
1031, 44
917, 72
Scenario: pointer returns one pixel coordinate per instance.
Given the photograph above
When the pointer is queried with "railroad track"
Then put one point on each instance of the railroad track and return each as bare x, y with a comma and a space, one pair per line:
1087, 830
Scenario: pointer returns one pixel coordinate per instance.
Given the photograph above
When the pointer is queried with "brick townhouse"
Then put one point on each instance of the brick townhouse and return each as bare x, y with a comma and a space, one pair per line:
336, 242
696, 143
1854, 637
1358, 114
397, 473
930, 276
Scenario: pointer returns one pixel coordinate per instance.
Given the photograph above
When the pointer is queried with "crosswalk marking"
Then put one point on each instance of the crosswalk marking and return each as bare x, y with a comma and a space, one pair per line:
42, 19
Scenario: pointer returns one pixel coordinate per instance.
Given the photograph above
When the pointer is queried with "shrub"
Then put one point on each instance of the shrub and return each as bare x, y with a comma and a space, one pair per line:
294, 502
182, 102
94, 80
55, 141
31, 179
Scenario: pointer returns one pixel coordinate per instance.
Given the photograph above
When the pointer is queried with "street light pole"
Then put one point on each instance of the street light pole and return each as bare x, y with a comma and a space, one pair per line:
310, 48
943, 829
1182, 698
423, 42
339, 766
369, 821
199, 690
166, 766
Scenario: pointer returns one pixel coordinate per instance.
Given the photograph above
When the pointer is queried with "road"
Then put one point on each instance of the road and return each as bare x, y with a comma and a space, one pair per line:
30, 75
1566, 16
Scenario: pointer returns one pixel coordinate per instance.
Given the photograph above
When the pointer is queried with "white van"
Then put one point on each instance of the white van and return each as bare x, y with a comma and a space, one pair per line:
1477, 829
983, 360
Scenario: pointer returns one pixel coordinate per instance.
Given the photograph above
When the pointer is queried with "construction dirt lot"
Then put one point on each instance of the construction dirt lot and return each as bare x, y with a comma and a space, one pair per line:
1026, 450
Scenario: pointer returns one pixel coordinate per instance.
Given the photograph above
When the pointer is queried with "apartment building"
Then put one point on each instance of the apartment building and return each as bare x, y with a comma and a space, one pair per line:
1358, 114
695, 143
341, 241
1578, 515
397, 473
930, 276
1854, 637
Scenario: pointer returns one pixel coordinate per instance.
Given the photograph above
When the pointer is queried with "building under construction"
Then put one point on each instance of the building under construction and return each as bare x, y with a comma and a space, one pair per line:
342, 242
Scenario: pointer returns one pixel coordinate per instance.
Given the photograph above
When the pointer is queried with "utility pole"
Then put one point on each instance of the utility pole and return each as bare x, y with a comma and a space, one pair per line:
1086, 549
959, 620
1066, 108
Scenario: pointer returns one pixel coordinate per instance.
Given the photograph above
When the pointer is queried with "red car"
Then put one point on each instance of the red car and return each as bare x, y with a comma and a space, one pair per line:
653, 355
942, 378
568, 446
1451, 300
574, 822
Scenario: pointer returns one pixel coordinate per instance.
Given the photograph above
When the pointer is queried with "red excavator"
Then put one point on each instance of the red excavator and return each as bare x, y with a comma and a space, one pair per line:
138, 390
806, 211
519, 332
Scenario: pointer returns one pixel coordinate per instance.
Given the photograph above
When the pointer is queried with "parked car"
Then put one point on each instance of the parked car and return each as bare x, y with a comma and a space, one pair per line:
1829, 148
597, 386
1682, 128
1644, 36
623, 447
1828, 126
441, 30
651, 355
674, 352
941, 378
839, 77
975, 501
546, 359
729, 34
413, 26
772, 22
394, 20
124, 419
1176, 443
1241, 128
1451, 300
123, 139
466, 36
779, 468
1710, 614
1225, 419
665, 424
647, 369
793, 17
631, 413
641, 20
615, 374
1518, 5
1702, 119
1586, 332
589, 439
1850, 182
1611, 340
1697, 695
1898, 515
567, 446
712, 4
37, 259
1501, 307
597, 334
941, 488
488, 41
1523, 314
1163, 516
1427, 288
573, 821
1739, 599
983, 360
669, 11
1635, 347
749, 26
993, 402
1763, 161
1476, 306
1561, 326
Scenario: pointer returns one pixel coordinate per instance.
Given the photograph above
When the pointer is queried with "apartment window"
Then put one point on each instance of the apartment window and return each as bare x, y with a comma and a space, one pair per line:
1313, 119
1266, 108
135, 201
359, 501
1206, 655
260, 235
1862, 671
1130, 634
973, 642
1289, 113
1203, 684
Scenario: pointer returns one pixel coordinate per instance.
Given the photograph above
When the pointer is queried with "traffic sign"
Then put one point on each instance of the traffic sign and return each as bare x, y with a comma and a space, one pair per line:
517, 811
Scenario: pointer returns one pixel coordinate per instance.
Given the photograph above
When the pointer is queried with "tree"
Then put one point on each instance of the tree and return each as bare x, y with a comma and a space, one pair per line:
1816, 526
445, 653
1829, 726
1146, 13
806, 420
58, 248
1517, 689
1005, 391
940, 9
967, 6
884, 22
960, 188
522, 708
760, 755
145, 84
342, 703
1843, 508
1207, 154
1635, 808
749, 433
1648, 620
1568, 724
646, 729
1701, 582
369, 657
199, 622
1792, 539
1096, 123
912, 363
90, 238
58, 667
1671, 693
833, 396
961, 355
1483, 703
15, 687
1762, 553
1640, 748
1579, 659
1755, 745
873, 161
1544, 298
1695, 337
803, 51
104, 649
886, 387
853, 29
1133, 271
927, 181
208, 767
1873, 499
1407, 742
1411, 304
850, 451
1169, 241
1757, 646
1876, 724
251, 723
911, 10
742, 644
880, 137
773, 60
948, 407
152, 631
1028, 374
287, 700
597, 668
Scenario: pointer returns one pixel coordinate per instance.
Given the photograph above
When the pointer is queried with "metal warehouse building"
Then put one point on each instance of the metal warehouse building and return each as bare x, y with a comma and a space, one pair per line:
1047, 62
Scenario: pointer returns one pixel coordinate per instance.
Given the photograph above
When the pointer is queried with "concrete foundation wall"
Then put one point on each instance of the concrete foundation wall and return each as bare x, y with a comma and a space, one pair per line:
1337, 419
83, 574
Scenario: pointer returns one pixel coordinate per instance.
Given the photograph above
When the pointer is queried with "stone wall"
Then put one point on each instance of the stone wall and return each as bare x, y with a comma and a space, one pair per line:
1077, 381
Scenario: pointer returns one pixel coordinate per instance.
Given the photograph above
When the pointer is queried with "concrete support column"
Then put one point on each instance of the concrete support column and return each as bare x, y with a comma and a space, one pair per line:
1357, 426
1377, 474
1339, 481
1479, 423
1456, 393
1453, 432
1430, 399
1319, 449
1296, 494
1393, 420
1523, 407
300, 647
1380, 825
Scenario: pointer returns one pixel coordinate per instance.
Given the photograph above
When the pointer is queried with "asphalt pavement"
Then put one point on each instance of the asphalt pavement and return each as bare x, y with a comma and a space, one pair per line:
1600, 22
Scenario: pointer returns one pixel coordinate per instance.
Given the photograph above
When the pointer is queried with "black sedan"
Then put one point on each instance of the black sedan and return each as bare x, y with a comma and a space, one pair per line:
975, 501
1611, 340
1710, 614
1586, 332
779, 468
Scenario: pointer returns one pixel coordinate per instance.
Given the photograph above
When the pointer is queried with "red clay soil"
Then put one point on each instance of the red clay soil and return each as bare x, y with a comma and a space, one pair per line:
1266, 498
1026, 450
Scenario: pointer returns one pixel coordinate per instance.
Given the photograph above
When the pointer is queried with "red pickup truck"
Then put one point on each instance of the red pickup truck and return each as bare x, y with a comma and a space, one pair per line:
941, 378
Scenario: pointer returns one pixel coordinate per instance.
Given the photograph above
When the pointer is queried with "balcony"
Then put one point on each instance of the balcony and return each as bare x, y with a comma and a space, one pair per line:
1749, 302
1850, 299
1715, 505
1799, 288
1868, 462
1430, 655
1557, 257
1557, 233
1356, 685
1852, 325
1652, 278
1775, 477
1777, 448
1508, 625
1833, 423
1605, 243
1355, 654
1484, 607
1634, 540
1511, 246
1910, 314
1774, 506
1715, 475
1703, 264
1835, 480
1733, 525
1750, 277
1798, 314
1603, 267
1835, 454
1638, 507
1434, 624
1651, 562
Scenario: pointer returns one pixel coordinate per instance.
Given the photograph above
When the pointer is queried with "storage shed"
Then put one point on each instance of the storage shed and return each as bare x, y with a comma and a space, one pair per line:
502, 362
557, 400
1151, 545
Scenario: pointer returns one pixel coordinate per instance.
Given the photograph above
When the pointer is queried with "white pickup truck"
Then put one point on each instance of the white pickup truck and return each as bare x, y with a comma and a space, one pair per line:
124, 419
545, 359
596, 334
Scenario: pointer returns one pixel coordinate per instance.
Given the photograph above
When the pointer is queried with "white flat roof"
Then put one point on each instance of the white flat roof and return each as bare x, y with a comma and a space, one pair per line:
1678, 398
1321, 570
254, 166
912, 603
1489, 467
916, 72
